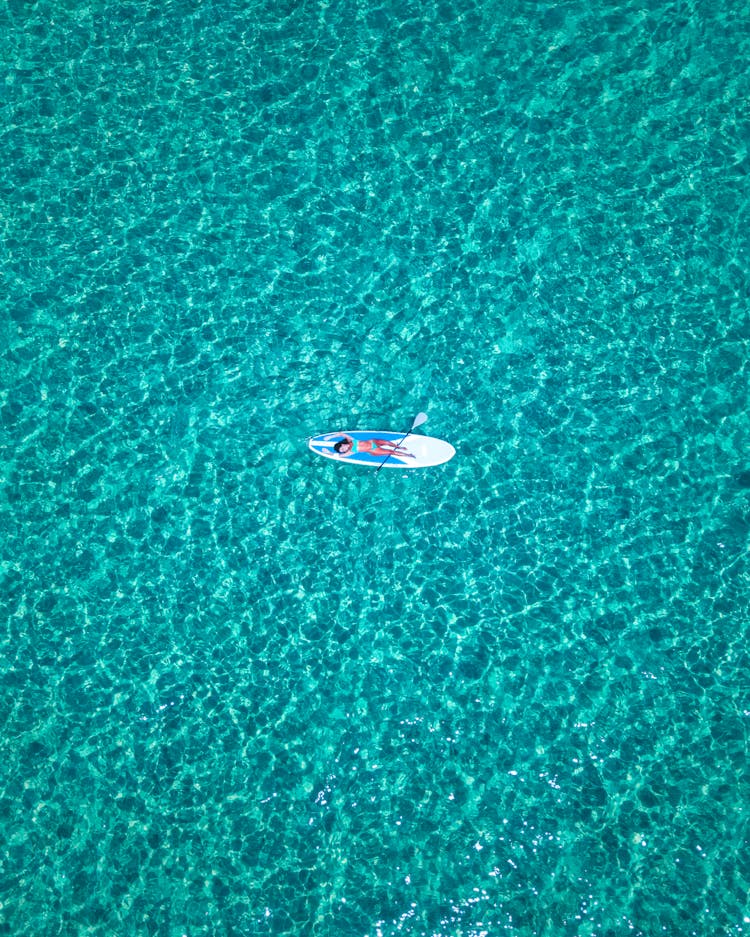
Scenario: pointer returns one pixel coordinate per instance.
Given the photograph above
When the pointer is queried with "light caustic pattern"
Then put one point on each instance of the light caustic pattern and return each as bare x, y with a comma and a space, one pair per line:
247, 691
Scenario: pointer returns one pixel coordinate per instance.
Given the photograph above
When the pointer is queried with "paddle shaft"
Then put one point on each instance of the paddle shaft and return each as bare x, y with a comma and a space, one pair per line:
418, 421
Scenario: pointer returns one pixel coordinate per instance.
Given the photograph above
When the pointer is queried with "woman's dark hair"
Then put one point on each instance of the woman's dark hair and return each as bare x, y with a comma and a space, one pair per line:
342, 442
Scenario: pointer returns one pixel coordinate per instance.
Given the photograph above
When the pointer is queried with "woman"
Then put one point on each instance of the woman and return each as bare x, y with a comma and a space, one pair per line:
383, 447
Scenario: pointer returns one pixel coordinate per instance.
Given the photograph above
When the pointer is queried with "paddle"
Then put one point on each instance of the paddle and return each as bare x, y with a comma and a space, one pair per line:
419, 419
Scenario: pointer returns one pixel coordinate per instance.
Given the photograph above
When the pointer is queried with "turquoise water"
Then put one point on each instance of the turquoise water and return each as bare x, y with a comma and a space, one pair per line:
246, 691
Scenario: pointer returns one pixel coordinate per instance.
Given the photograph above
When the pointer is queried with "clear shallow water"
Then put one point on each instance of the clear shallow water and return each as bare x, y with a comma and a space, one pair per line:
246, 691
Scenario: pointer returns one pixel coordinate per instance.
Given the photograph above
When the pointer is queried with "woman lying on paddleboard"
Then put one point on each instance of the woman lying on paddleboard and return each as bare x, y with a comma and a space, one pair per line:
348, 446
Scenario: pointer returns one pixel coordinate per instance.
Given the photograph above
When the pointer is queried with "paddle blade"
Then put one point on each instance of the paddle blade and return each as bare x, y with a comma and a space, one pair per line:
419, 419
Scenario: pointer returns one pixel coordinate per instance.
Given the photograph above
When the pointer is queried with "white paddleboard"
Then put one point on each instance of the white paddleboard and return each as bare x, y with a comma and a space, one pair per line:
382, 447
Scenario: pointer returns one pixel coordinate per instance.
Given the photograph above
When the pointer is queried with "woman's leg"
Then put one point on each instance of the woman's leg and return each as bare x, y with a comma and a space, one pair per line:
385, 447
